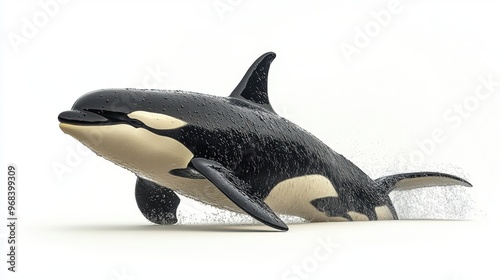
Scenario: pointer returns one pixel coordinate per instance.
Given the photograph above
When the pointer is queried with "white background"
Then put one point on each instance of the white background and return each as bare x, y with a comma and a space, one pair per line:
379, 106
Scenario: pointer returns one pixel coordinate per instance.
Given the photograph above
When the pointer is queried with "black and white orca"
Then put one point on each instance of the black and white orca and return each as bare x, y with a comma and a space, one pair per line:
231, 152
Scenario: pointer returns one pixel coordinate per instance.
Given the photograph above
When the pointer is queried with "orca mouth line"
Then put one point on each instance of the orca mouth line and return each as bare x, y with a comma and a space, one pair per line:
96, 117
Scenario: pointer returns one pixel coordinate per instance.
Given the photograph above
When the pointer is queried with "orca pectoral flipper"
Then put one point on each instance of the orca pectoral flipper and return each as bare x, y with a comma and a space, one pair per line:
237, 191
158, 204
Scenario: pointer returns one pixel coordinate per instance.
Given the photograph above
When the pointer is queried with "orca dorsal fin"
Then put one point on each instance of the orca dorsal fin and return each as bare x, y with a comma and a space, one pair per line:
253, 86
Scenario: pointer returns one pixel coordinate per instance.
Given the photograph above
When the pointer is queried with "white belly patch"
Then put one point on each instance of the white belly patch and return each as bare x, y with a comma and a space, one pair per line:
293, 197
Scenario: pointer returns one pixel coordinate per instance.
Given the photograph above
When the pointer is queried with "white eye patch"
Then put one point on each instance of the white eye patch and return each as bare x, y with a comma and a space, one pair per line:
157, 121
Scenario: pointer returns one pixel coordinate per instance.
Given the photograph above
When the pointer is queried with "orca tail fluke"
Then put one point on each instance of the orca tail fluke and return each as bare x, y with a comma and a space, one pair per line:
408, 181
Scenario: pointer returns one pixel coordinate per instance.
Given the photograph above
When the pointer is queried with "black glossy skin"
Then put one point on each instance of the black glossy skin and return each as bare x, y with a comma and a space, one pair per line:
261, 147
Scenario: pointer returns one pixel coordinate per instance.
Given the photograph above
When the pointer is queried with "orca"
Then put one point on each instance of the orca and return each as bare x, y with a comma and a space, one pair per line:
234, 153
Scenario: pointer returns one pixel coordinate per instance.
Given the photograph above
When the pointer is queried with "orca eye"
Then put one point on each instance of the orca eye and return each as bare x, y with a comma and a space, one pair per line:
135, 123
156, 120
